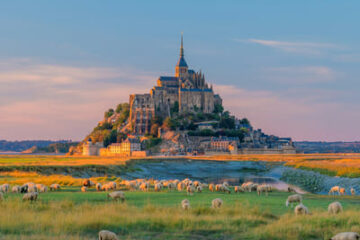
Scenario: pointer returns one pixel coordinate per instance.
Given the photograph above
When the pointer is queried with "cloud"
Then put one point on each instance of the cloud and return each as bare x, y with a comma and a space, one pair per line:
307, 48
61, 102
305, 116
301, 74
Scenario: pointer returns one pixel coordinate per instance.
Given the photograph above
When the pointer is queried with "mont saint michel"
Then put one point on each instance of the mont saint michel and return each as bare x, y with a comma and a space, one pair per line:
181, 115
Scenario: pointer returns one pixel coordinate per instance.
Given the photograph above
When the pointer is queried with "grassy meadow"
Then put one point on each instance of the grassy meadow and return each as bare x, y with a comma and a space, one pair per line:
71, 214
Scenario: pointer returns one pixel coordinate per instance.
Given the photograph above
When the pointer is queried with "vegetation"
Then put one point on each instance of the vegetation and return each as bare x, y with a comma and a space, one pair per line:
157, 215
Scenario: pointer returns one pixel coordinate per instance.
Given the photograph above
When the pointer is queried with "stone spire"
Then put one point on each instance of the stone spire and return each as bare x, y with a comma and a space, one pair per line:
181, 47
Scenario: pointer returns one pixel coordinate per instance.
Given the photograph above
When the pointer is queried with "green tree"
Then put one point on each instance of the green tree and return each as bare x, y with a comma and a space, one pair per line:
109, 113
110, 138
218, 108
175, 108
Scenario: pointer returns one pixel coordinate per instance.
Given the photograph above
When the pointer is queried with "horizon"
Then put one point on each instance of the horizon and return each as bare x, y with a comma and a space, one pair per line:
63, 66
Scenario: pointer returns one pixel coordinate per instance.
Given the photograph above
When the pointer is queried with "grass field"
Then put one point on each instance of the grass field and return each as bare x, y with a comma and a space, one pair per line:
71, 214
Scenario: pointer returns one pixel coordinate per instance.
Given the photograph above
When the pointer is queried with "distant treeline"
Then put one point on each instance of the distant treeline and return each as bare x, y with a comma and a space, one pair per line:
44, 145
328, 147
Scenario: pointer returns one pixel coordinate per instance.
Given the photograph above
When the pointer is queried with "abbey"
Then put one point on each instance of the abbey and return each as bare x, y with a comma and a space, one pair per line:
187, 91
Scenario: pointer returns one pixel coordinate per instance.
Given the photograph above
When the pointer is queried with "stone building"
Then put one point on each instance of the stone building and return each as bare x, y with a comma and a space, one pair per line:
92, 149
187, 89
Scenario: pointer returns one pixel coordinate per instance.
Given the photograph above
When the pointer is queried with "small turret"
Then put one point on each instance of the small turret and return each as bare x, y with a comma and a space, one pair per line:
181, 69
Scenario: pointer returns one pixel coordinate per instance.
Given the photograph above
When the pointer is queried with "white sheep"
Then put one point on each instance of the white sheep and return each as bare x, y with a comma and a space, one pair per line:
296, 198
185, 204
199, 188
217, 203
335, 208
31, 196
84, 189
32, 188
239, 189
262, 188
55, 187
41, 188
5, 188
181, 186
98, 186
334, 189
211, 187
117, 195
107, 235
301, 210
352, 190
346, 236
157, 187
15, 189
190, 189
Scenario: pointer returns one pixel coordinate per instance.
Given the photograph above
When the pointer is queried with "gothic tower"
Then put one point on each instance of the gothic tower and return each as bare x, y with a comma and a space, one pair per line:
181, 69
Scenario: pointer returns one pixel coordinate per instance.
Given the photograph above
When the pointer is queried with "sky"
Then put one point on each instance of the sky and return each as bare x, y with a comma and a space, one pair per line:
291, 67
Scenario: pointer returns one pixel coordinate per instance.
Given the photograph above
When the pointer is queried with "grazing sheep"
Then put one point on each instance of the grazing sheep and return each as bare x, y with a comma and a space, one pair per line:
239, 189
352, 190
106, 187
335, 208
41, 188
5, 188
334, 189
301, 210
84, 189
1, 196
32, 188
181, 186
290, 189
118, 195
31, 196
342, 191
216, 203
196, 183
15, 189
226, 184
98, 187
144, 186
211, 187
185, 204
296, 198
225, 189
107, 235
199, 188
171, 186
346, 236
262, 188
190, 190
24, 188
112, 185
55, 187
157, 187
86, 183
218, 187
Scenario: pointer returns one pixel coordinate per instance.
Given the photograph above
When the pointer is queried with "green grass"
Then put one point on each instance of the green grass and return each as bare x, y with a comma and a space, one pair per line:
71, 214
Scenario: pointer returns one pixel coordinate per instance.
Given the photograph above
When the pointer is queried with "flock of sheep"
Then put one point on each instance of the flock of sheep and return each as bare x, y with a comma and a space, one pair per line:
32, 190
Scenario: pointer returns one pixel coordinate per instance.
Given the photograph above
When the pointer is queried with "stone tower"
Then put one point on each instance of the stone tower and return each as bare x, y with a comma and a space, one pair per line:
181, 69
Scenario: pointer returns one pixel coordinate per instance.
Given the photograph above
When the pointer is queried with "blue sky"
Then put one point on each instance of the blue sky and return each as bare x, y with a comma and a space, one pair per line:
291, 68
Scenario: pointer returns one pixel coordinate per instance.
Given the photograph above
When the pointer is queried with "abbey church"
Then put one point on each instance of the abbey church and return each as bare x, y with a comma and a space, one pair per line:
187, 89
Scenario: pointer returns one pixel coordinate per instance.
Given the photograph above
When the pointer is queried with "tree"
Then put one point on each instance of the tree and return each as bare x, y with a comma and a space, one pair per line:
154, 130
175, 108
110, 138
218, 108
109, 113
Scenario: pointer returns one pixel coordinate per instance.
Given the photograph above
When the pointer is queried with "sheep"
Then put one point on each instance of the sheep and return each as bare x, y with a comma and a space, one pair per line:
346, 236
31, 196
86, 183
196, 183
84, 189
218, 187
239, 189
144, 186
262, 188
301, 210
293, 199
225, 189
171, 186
335, 208
211, 187
157, 187
24, 188
199, 188
41, 188
32, 188
185, 204
181, 186
98, 186
226, 184
15, 189
352, 190
290, 189
342, 191
107, 235
190, 190
334, 189
112, 185
55, 187
118, 195
217, 203
5, 188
